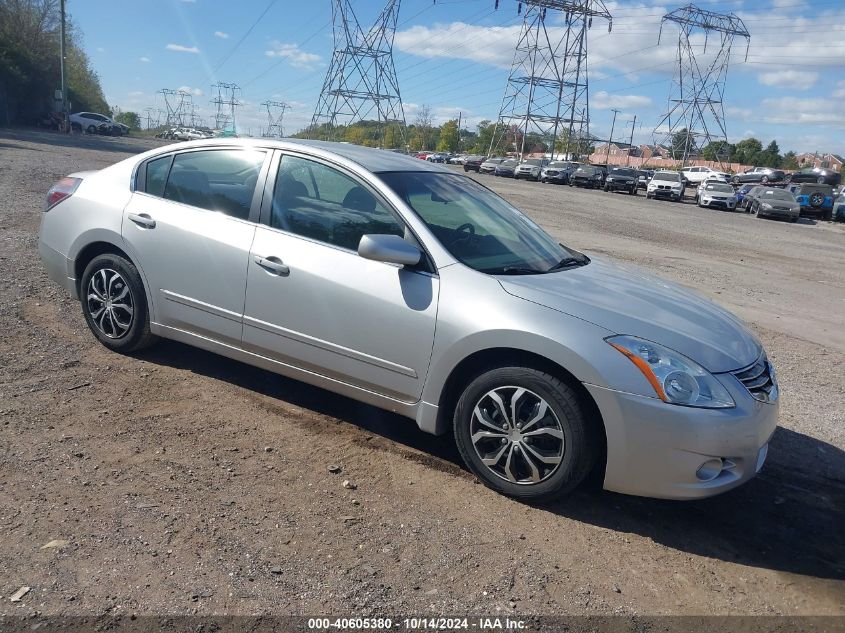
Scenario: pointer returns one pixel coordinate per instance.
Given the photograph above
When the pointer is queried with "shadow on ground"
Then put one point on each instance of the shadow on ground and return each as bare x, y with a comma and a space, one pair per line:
790, 518
122, 145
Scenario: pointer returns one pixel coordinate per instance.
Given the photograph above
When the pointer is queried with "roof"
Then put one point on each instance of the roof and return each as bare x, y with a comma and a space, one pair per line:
373, 160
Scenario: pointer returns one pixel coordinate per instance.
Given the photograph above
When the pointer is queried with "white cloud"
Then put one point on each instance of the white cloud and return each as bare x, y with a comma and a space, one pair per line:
182, 49
296, 56
100, 49
797, 111
793, 79
840, 92
602, 100
197, 92
135, 93
146, 60
221, 34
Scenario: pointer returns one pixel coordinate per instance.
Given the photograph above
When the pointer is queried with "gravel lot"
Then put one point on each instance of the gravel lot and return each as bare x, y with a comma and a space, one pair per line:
178, 482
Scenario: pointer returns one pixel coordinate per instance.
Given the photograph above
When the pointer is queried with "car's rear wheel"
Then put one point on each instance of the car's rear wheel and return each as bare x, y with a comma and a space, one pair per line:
91, 129
764, 180
524, 433
115, 305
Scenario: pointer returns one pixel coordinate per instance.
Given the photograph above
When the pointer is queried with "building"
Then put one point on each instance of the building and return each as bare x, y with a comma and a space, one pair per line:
617, 151
828, 161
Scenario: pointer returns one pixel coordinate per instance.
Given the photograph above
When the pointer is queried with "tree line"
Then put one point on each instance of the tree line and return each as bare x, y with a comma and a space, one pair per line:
30, 34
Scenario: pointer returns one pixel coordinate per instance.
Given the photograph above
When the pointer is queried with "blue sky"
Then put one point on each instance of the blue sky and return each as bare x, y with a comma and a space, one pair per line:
455, 55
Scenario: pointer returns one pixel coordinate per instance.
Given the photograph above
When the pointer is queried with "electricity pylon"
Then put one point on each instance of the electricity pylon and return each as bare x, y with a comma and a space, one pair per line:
361, 82
275, 118
226, 101
178, 104
547, 94
696, 96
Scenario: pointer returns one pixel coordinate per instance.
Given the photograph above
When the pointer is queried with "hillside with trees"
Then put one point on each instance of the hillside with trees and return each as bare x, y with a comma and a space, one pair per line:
30, 34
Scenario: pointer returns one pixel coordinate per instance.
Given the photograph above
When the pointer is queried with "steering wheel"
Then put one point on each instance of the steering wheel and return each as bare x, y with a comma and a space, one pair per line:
466, 232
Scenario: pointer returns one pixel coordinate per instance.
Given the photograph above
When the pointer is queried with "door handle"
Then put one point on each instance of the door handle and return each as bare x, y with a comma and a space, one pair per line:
273, 264
142, 219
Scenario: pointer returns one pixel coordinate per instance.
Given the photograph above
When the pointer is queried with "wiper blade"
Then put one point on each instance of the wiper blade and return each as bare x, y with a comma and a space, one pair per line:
513, 270
569, 262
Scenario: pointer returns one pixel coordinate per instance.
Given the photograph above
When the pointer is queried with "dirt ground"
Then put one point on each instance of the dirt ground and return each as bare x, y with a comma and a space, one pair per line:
179, 482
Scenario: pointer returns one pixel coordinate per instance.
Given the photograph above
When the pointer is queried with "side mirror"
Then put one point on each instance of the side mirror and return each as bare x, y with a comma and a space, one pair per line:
388, 248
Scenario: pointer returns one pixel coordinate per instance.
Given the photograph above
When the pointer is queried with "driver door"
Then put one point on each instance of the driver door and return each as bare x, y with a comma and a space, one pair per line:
312, 302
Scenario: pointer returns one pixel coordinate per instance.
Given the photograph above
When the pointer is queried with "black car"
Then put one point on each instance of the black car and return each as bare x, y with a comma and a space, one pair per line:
506, 168
604, 169
763, 175
473, 163
587, 176
643, 176
819, 175
622, 179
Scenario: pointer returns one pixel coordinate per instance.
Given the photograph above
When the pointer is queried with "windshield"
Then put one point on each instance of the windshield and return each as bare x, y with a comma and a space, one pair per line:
586, 170
476, 226
558, 165
718, 187
532, 161
668, 176
509, 163
624, 172
495, 161
777, 194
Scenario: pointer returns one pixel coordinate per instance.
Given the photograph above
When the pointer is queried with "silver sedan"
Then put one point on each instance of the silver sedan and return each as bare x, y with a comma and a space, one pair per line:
410, 287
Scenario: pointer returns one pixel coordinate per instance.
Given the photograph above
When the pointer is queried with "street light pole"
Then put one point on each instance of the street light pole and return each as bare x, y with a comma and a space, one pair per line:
610, 140
62, 66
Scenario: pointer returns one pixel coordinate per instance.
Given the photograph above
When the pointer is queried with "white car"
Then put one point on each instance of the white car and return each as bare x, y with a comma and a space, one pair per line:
697, 175
530, 169
93, 123
717, 194
666, 184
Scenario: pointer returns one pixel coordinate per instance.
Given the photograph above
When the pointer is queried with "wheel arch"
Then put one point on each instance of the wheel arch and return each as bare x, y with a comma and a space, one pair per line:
484, 360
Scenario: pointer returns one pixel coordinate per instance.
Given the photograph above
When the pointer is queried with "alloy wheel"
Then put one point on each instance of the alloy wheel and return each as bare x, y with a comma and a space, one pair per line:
110, 303
517, 435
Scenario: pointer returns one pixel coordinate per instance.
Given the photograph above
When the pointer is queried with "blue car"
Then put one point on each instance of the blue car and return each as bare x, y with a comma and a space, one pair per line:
740, 195
815, 199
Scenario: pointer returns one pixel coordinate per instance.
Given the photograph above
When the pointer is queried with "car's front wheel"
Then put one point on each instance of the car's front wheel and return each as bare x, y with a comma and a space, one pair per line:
524, 433
115, 305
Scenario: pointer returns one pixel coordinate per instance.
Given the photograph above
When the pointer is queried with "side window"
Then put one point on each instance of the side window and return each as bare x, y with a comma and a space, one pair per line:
321, 203
216, 180
156, 176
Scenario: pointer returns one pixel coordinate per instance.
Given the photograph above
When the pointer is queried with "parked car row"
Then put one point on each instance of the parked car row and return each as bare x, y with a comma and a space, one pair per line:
716, 190
185, 134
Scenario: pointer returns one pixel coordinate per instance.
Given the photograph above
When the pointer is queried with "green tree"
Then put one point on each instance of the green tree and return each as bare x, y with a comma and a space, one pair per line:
790, 160
29, 62
770, 157
747, 151
129, 118
683, 144
450, 139
717, 150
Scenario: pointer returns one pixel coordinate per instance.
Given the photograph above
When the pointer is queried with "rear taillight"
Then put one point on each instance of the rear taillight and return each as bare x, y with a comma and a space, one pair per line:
64, 188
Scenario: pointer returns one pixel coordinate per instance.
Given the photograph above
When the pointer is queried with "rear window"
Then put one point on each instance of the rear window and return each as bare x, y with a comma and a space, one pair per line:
667, 176
776, 194
623, 172
216, 180
717, 187
156, 176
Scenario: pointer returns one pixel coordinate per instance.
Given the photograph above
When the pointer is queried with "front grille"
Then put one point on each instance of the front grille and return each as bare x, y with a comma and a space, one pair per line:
759, 380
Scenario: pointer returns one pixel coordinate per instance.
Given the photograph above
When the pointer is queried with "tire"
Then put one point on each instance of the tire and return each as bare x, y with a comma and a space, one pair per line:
574, 444
110, 271
820, 180
634, 191
764, 180
91, 129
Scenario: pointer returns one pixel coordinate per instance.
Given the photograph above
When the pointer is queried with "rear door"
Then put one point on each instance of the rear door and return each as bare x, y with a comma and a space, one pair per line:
189, 225
314, 303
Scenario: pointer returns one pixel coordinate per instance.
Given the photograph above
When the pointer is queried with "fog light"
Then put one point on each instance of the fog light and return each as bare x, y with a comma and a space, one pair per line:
709, 470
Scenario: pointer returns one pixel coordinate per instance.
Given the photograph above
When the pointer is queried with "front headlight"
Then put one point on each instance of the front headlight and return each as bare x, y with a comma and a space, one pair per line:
675, 378
766, 205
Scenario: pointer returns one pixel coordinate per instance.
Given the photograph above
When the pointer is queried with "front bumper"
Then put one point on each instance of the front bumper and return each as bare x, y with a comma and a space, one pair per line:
619, 186
59, 268
730, 205
666, 193
779, 213
655, 449
581, 182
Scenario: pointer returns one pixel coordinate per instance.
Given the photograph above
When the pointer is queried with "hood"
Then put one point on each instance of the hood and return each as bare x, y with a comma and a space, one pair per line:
626, 300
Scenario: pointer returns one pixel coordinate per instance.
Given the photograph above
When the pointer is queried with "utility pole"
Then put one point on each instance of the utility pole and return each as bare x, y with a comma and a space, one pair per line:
62, 71
610, 140
460, 114
633, 124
